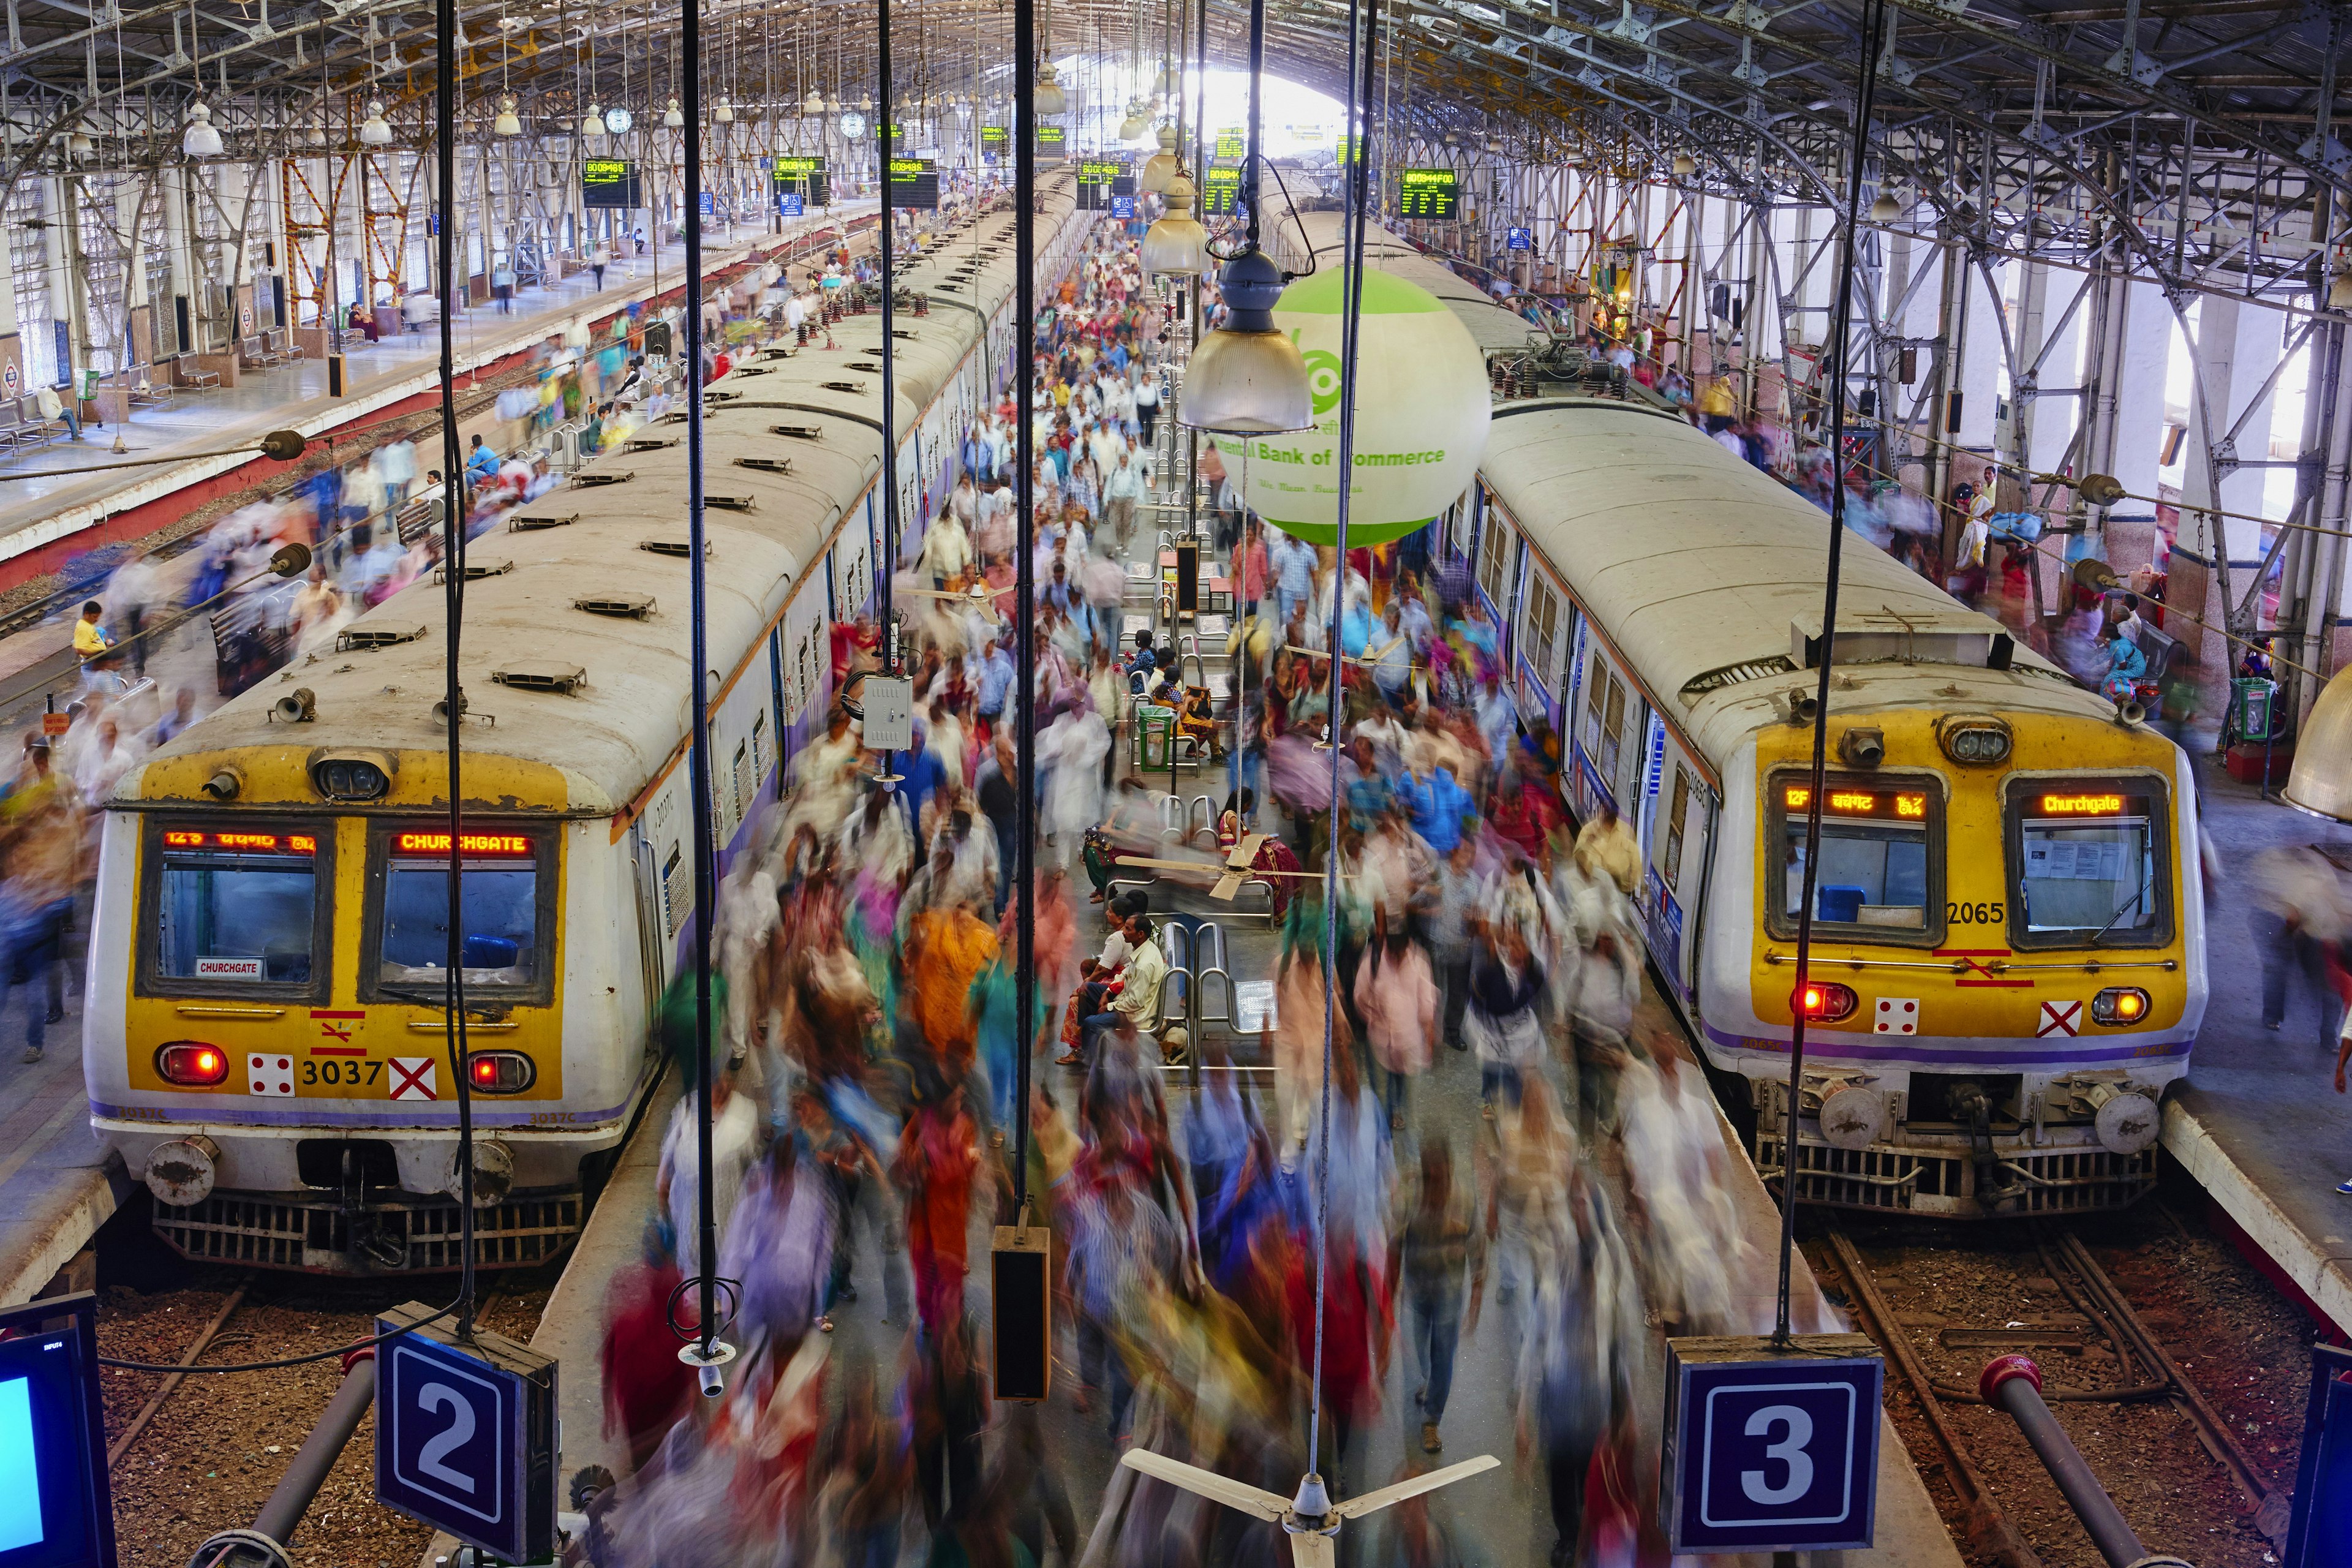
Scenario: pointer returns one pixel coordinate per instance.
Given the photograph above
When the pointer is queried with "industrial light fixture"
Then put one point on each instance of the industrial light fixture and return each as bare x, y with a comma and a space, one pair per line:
1886, 209
1685, 166
376, 131
1177, 246
595, 125
866, 104
508, 123
1169, 80
1136, 124
1050, 99
2339, 292
1162, 167
814, 103
201, 140
725, 113
673, 116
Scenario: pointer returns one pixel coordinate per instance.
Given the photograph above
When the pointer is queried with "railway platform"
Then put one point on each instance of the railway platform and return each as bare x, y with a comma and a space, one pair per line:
2257, 1122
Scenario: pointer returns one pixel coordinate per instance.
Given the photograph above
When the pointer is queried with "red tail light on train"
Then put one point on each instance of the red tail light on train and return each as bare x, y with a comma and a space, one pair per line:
502, 1072
190, 1064
1824, 1002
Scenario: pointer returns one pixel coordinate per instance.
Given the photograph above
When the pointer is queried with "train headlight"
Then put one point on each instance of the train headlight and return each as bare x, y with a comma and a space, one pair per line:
502, 1072
2120, 1005
190, 1064
351, 775
1975, 742
180, 1173
1824, 1001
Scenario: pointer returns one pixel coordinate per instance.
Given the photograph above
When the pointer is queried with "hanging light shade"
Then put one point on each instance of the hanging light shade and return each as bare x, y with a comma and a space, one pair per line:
814, 103
1177, 246
725, 113
1887, 208
508, 123
833, 106
1685, 166
1247, 377
1169, 80
201, 140
1163, 167
865, 104
673, 116
595, 125
376, 131
1422, 412
2339, 292
1136, 124
1050, 99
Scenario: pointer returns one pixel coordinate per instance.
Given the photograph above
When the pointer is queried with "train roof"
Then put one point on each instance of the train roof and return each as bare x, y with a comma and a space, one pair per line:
767, 533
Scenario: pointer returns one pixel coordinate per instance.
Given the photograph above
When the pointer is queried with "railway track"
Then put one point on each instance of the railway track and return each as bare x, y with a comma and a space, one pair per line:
1942, 1302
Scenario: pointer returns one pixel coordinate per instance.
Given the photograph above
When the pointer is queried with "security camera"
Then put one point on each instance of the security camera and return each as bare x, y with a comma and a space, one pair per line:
714, 1383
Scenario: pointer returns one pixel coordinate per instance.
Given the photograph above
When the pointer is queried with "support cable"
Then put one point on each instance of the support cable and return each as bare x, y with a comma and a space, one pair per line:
1841, 321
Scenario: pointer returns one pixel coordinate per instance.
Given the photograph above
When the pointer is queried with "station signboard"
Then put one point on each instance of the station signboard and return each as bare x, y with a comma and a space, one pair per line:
1098, 180
609, 183
914, 184
1520, 239
1771, 1449
1232, 143
1053, 143
1221, 192
1434, 193
806, 176
465, 1435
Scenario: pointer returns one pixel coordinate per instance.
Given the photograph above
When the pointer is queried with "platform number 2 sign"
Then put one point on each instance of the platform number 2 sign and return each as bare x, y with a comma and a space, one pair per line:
460, 1434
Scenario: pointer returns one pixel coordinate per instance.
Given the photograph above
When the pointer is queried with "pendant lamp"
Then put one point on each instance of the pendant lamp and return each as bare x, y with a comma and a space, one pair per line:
1051, 100
814, 103
1136, 124
1887, 208
376, 131
595, 125
725, 113
1177, 246
673, 116
1685, 166
508, 123
1162, 167
201, 140
1247, 377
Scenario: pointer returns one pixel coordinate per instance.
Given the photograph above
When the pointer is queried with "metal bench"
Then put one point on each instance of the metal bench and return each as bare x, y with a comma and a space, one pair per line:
184, 372
257, 352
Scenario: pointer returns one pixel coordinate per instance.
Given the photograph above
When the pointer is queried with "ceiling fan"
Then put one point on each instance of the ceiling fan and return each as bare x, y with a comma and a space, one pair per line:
1311, 1519
979, 596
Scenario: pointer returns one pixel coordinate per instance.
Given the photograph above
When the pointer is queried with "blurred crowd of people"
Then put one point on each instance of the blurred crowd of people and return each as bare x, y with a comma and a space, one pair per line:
869, 1043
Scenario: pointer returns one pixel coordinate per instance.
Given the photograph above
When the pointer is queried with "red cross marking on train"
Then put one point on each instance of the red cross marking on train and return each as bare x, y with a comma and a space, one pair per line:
2059, 1018
418, 1079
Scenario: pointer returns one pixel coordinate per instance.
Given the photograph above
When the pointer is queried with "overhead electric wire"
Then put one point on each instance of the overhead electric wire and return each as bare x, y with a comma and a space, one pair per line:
1840, 322
304, 1359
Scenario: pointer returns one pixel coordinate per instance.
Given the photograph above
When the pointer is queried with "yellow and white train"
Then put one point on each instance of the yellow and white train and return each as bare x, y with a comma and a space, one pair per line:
262, 1039
2009, 958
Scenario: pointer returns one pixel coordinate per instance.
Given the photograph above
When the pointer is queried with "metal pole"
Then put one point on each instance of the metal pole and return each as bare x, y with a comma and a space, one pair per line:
706, 849
320, 1450
1024, 581
2014, 1383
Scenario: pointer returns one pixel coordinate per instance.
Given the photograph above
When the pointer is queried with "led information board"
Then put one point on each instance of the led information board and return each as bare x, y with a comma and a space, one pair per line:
992, 136
805, 177
1221, 192
1053, 141
1233, 144
1428, 193
609, 183
915, 183
1098, 180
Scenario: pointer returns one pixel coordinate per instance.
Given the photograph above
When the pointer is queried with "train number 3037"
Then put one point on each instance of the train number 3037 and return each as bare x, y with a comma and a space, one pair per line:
342, 1072
1977, 915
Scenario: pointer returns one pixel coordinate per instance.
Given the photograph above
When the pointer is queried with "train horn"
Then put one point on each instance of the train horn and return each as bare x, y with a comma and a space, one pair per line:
1803, 706
298, 706
2128, 711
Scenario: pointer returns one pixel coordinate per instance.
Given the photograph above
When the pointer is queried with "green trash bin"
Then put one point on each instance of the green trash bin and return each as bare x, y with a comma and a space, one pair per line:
1155, 735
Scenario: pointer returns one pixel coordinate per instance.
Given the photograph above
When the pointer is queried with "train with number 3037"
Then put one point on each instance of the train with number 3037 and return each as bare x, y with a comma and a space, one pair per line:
262, 1037
2009, 940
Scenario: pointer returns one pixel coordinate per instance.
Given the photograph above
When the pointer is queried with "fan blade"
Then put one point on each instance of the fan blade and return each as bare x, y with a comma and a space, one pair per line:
1412, 1485
1208, 1484
1227, 885
1245, 851
1310, 1550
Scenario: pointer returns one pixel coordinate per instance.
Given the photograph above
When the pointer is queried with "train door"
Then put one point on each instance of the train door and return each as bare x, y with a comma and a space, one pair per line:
1608, 735
1680, 817
1543, 647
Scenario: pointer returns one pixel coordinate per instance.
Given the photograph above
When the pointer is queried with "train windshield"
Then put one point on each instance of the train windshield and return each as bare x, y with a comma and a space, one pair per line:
2089, 863
236, 909
1878, 853
501, 911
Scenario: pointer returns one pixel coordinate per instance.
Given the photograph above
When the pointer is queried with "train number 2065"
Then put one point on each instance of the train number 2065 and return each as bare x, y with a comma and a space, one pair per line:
1977, 914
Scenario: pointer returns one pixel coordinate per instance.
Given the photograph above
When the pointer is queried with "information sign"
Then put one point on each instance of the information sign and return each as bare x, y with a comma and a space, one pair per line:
1520, 239
1772, 1451
1428, 193
465, 1435
56, 1509
1233, 144
806, 175
1122, 208
789, 205
915, 183
609, 183
1221, 192
1053, 143
1097, 177
992, 136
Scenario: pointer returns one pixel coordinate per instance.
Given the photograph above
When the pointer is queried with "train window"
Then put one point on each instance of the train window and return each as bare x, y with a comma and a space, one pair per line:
2088, 863
1612, 729
1673, 868
1881, 856
502, 935
1543, 620
1495, 561
236, 909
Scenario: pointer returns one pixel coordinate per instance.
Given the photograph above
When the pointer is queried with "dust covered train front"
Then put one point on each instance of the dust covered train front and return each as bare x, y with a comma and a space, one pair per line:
2009, 960
264, 1039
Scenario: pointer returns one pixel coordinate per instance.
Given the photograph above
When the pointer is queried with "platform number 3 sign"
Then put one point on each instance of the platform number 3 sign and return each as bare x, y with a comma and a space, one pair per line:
1772, 1451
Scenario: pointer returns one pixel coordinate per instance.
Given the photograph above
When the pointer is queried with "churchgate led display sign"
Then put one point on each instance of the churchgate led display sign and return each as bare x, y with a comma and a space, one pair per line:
609, 183
1428, 193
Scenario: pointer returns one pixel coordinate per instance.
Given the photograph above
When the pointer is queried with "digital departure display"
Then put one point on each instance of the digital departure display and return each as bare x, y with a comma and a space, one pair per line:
2090, 805
1434, 193
914, 184
242, 842
609, 183
1053, 141
1900, 805
1221, 192
514, 845
1098, 179
1233, 144
805, 176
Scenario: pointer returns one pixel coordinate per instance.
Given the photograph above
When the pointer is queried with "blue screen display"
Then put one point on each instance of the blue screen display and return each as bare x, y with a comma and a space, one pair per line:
20, 1467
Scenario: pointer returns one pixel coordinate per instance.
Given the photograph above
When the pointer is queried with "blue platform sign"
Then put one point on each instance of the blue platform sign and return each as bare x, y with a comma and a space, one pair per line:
1520, 239
464, 1436
788, 203
1122, 208
2319, 1531
1770, 1451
